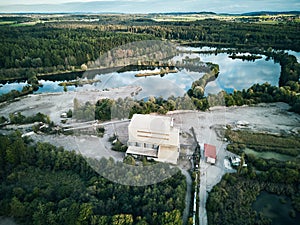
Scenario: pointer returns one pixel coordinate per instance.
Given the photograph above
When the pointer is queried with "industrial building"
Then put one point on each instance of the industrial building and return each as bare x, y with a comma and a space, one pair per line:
154, 137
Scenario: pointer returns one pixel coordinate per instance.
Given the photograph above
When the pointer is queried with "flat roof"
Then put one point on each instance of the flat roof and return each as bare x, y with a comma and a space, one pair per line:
210, 151
134, 150
153, 129
168, 154
158, 124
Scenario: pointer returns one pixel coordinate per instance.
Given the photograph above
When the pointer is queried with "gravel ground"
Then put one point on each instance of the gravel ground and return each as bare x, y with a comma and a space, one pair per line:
54, 104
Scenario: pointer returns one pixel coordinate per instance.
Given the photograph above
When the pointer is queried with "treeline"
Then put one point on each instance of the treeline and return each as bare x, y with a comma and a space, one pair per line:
265, 93
107, 109
45, 49
226, 34
43, 184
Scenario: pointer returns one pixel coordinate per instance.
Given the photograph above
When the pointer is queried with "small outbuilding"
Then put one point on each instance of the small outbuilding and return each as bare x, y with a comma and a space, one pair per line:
210, 153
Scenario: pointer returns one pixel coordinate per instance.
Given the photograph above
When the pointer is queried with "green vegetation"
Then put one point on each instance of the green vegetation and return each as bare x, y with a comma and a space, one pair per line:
129, 160
66, 46
262, 142
117, 145
44, 49
212, 32
44, 184
107, 109
18, 118
16, 94
3, 120
197, 89
231, 201
70, 46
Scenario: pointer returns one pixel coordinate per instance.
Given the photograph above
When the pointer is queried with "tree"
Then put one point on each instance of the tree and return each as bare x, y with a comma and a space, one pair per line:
84, 67
129, 160
65, 88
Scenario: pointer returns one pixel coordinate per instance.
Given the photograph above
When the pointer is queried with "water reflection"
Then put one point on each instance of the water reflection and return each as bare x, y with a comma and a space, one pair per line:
239, 75
47, 86
52, 86
12, 86
171, 84
234, 74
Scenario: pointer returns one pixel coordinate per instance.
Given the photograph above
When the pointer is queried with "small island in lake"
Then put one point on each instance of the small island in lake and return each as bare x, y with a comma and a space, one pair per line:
78, 82
245, 57
162, 71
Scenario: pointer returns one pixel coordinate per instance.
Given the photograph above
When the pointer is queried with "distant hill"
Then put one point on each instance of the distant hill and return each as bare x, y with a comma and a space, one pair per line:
186, 13
261, 13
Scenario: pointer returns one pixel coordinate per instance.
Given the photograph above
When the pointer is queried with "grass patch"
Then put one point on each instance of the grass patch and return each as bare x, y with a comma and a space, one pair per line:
7, 22
265, 142
24, 24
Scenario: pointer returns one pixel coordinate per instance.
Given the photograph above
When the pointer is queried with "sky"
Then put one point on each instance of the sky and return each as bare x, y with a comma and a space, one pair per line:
148, 6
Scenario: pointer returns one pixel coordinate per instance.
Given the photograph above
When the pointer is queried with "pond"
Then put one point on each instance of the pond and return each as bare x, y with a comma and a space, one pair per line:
277, 208
48, 86
238, 74
234, 74
269, 155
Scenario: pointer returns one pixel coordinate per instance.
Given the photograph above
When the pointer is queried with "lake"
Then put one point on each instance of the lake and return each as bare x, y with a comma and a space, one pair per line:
234, 74
277, 208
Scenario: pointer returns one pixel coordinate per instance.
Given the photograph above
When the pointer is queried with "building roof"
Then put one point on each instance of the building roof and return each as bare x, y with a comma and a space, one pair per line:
210, 151
142, 151
153, 129
168, 154
153, 136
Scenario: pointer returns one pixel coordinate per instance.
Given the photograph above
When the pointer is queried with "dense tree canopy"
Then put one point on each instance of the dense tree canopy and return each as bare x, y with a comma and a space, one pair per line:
42, 184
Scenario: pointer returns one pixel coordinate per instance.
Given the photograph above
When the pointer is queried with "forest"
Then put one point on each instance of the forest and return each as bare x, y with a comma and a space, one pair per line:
44, 50
59, 47
43, 184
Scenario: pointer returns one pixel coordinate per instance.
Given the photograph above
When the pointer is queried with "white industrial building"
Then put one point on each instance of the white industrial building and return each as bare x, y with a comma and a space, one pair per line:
154, 137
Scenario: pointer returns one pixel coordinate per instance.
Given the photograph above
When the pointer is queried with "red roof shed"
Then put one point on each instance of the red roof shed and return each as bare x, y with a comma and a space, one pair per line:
210, 151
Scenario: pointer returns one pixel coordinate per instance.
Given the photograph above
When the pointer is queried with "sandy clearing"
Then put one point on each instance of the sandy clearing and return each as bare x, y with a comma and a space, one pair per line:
53, 104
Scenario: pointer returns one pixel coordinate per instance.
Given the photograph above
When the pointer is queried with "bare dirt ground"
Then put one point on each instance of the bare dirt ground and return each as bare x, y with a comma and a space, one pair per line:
54, 104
